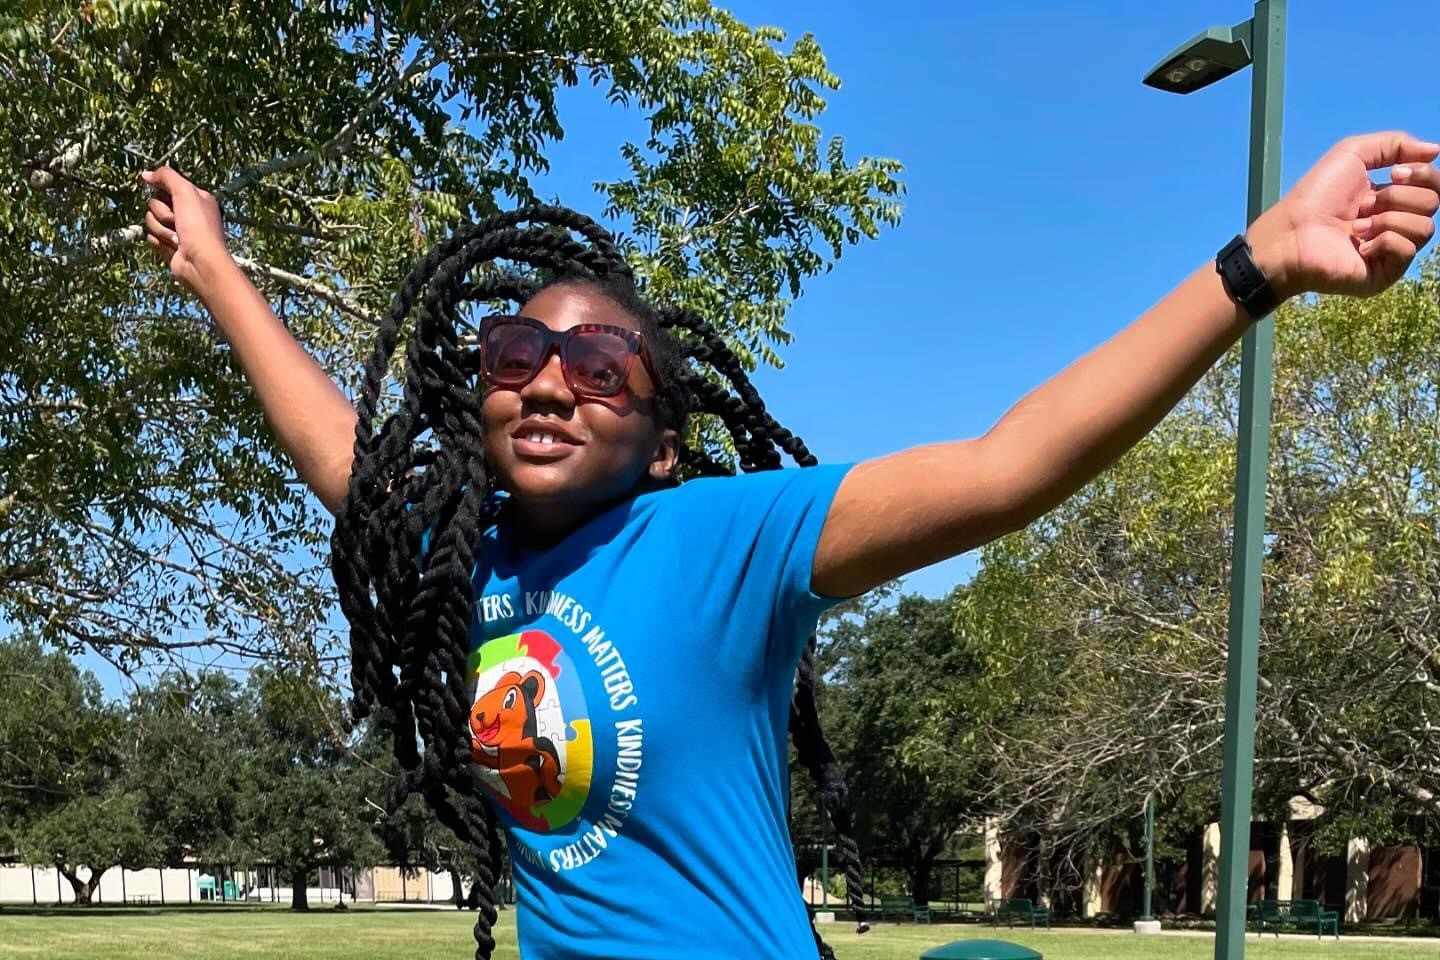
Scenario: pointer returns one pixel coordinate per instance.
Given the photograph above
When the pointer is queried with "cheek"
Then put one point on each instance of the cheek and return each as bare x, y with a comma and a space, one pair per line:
628, 440
497, 407
495, 412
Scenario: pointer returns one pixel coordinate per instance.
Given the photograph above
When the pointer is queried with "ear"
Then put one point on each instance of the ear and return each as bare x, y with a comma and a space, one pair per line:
666, 457
534, 686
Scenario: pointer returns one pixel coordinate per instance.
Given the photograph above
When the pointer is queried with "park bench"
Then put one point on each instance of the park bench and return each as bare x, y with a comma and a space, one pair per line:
1302, 915
1011, 909
896, 908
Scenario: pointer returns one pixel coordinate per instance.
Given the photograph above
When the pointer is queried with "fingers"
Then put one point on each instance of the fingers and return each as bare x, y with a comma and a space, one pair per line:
1425, 175
1392, 253
168, 180
156, 230
162, 210
1404, 199
1387, 149
1415, 227
164, 251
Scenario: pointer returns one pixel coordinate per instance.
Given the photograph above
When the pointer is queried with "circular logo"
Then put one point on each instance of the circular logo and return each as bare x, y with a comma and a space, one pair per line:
529, 730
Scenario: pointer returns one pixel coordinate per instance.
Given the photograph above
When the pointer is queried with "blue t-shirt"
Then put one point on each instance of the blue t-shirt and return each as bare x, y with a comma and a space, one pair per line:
630, 720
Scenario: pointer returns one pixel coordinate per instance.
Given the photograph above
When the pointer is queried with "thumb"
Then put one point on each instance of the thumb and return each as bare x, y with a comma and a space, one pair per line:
167, 179
1378, 150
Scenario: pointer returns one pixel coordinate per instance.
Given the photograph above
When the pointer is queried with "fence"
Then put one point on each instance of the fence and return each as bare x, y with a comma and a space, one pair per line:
221, 884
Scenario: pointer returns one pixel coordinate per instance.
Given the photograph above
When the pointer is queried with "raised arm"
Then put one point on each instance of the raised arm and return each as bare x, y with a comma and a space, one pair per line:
311, 416
1334, 233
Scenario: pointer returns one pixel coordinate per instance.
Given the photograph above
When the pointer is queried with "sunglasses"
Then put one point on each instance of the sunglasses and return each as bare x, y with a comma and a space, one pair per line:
595, 357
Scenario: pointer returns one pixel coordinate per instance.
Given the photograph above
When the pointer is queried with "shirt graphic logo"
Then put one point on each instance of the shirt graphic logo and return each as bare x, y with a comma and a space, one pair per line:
530, 731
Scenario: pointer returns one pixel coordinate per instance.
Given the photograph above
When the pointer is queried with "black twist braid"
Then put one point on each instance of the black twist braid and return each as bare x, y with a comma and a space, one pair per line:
405, 548
816, 756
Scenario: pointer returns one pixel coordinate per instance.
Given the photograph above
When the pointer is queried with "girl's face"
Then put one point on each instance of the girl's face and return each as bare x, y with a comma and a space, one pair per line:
602, 448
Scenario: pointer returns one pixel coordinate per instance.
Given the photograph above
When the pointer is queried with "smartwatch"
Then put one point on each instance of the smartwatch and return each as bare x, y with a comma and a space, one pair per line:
1245, 283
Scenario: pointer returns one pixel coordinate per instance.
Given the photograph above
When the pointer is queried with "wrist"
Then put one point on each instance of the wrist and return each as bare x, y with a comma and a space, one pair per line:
212, 270
1274, 251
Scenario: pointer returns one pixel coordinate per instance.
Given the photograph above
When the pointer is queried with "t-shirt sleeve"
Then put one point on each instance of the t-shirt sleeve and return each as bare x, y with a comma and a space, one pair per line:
748, 545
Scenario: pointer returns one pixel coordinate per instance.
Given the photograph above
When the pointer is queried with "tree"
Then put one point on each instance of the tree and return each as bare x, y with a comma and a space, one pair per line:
89, 834
304, 801
188, 771
341, 137
880, 660
64, 796
1105, 624
407, 830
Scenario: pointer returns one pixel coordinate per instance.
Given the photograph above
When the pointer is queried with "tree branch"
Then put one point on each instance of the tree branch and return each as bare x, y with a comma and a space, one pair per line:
314, 288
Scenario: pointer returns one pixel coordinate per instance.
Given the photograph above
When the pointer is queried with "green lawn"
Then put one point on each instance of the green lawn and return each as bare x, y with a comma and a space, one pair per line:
362, 934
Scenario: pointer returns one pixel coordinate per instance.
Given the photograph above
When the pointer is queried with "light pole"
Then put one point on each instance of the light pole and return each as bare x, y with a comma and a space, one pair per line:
1147, 916
1147, 922
1209, 57
824, 860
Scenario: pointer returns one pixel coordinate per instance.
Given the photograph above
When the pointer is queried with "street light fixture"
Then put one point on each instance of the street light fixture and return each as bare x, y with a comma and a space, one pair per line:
1202, 60
1211, 56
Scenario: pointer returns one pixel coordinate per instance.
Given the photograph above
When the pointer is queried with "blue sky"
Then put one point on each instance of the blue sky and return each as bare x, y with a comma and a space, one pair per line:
1051, 197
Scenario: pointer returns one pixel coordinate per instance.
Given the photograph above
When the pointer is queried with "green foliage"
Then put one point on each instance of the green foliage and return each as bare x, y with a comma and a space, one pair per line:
143, 503
89, 832
189, 768
193, 768
1104, 625
882, 659
65, 797
56, 735
303, 801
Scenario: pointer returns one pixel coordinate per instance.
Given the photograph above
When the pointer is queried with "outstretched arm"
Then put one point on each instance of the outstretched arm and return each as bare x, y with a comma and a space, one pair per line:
1334, 233
311, 416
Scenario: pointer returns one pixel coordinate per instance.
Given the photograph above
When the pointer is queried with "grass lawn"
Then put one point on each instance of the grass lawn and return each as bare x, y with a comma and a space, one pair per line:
362, 934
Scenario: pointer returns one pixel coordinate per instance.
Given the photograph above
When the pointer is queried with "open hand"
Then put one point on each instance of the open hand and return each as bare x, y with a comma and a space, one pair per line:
1337, 232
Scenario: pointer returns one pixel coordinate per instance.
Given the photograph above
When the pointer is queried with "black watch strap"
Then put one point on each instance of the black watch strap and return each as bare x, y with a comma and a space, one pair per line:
1244, 281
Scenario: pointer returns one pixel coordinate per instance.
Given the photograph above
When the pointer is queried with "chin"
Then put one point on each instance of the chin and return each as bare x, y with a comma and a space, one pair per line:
536, 483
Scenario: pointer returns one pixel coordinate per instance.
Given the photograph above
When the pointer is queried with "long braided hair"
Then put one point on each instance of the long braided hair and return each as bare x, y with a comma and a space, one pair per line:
421, 497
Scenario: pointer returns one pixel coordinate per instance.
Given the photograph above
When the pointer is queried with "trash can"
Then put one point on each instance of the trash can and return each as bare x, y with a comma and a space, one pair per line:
981, 950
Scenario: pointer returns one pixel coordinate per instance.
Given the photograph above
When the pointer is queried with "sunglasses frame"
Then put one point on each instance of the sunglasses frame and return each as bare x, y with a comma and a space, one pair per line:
559, 342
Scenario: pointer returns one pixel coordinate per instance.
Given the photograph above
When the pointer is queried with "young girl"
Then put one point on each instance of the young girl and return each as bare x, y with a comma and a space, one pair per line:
606, 654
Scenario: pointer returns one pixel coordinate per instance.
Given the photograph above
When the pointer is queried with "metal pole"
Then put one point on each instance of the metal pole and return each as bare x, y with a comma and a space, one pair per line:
1267, 46
1149, 854
824, 859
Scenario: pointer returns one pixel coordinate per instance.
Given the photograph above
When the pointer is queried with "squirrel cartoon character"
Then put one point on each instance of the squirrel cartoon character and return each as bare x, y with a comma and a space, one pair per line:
503, 726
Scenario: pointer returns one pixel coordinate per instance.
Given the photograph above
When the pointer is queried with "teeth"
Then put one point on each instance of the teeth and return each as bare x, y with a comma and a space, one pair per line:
547, 439
535, 436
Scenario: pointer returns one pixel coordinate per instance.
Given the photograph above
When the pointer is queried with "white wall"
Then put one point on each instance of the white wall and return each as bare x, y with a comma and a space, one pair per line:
179, 885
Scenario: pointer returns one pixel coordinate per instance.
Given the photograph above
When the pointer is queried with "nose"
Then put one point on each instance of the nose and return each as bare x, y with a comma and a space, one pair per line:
548, 385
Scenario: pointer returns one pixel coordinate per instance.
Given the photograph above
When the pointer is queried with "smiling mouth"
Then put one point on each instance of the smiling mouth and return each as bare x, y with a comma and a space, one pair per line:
541, 445
491, 733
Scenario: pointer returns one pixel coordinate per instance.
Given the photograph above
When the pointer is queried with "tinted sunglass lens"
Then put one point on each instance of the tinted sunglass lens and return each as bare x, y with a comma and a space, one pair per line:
599, 363
512, 352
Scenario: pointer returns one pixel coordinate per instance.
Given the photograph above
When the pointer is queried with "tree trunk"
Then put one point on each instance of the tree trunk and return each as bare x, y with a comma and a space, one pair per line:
920, 879
84, 889
457, 886
298, 877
